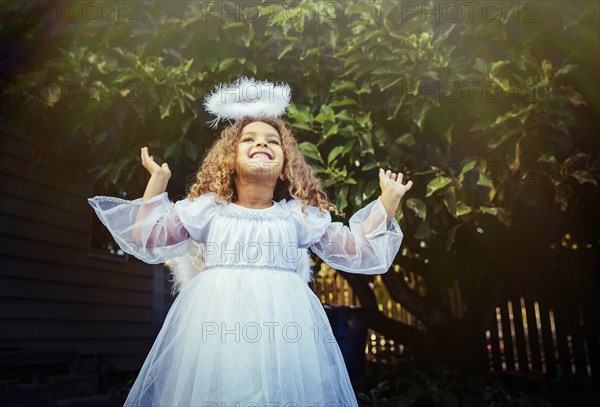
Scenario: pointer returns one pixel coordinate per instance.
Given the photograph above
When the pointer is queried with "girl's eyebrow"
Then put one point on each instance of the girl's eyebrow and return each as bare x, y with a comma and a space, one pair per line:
254, 133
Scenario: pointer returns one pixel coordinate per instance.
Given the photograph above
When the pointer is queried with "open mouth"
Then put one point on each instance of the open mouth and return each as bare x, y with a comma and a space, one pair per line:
261, 155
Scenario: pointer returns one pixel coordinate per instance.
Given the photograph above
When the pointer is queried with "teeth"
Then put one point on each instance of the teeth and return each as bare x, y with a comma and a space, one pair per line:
260, 155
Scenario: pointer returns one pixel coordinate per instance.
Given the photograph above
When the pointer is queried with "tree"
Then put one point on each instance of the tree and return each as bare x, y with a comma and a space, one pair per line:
490, 122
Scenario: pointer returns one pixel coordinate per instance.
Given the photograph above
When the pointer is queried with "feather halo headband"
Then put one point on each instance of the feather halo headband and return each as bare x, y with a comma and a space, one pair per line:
247, 96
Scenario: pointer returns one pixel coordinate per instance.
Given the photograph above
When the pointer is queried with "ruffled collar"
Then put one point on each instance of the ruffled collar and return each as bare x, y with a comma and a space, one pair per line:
278, 209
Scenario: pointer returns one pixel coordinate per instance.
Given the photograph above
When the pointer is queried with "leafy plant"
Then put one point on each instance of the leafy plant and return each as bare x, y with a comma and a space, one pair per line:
486, 119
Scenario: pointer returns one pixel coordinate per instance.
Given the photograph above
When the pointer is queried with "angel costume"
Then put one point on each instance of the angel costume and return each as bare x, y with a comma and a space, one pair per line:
245, 328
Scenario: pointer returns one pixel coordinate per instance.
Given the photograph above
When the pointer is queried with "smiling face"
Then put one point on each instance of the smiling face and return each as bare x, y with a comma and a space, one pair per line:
260, 154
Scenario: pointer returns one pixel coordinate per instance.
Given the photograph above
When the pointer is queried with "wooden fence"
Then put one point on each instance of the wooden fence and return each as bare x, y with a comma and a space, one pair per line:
526, 336
333, 289
530, 336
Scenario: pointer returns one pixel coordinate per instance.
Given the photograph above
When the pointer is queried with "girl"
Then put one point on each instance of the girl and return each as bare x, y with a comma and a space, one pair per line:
247, 330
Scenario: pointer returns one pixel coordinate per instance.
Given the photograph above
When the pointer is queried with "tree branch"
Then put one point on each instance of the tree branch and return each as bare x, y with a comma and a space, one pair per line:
388, 327
423, 309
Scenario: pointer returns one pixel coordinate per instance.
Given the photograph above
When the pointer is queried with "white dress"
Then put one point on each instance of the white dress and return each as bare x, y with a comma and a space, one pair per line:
247, 330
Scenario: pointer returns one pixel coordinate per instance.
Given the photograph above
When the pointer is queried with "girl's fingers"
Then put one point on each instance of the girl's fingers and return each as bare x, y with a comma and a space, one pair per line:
396, 177
409, 184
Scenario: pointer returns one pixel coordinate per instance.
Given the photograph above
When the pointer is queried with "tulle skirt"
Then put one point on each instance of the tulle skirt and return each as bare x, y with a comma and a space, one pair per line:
244, 337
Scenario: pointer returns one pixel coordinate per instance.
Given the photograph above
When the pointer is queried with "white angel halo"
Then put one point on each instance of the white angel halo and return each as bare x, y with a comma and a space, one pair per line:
247, 96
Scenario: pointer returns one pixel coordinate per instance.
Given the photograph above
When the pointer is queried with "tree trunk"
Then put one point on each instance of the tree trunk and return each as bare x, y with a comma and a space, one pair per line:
453, 343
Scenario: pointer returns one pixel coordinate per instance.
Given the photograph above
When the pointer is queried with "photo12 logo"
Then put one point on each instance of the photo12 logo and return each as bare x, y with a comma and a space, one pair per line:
322, 11
469, 11
55, 12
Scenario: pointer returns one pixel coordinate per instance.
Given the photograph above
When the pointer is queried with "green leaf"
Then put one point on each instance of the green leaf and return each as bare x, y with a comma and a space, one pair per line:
344, 102
245, 37
546, 67
450, 201
367, 142
583, 176
468, 166
417, 206
165, 107
125, 77
484, 181
381, 136
252, 67
462, 208
436, 184
285, 50
569, 19
327, 113
419, 114
225, 63
448, 134
389, 82
172, 52
334, 153
302, 126
299, 114
309, 52
359, 7
347, 131
171, 149
364, 88
190, 150
364, 120
100, 137
481, 65
565, 70
571, 160
310, 150
185, 124
330, 129
342, 198
547, 158
370, 189
339, 86
405, 139
423, 232
344, 115
368, 166
496, 66
489, 210
212, 63
575, 98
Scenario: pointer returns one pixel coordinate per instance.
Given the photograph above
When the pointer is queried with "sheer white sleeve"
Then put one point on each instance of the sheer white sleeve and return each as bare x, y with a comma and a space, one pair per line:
368, 246
158, 235
310, 224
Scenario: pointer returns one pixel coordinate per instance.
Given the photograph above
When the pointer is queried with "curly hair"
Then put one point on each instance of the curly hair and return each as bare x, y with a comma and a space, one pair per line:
216, 171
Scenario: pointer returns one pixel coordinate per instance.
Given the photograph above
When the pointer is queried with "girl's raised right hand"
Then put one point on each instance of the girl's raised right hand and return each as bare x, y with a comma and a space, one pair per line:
152, 167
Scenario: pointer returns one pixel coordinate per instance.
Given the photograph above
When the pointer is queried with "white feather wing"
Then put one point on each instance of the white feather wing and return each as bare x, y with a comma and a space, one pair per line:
184, 268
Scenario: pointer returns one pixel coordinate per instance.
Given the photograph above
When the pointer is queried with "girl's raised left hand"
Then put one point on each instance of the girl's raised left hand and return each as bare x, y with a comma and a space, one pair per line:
391, 184
392, 191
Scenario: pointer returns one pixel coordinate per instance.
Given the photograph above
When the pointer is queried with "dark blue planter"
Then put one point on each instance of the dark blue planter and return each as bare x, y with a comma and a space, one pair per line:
349, 326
